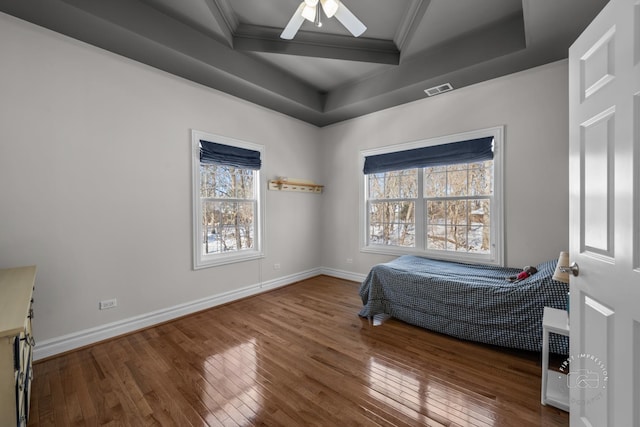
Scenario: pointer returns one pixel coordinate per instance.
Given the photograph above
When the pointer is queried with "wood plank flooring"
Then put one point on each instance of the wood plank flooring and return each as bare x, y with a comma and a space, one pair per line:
295, 356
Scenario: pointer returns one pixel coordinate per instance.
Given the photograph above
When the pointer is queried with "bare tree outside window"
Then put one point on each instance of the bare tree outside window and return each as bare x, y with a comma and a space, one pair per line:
393, 198
456, 204
228, 208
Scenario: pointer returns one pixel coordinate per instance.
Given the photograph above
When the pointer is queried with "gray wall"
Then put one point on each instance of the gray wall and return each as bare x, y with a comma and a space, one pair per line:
533, 108
95, 181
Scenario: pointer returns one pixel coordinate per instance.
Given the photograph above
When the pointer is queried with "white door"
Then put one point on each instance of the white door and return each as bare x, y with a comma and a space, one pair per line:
604, 132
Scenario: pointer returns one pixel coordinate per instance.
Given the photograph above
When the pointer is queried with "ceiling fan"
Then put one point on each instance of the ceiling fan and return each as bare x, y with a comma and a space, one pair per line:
310, 11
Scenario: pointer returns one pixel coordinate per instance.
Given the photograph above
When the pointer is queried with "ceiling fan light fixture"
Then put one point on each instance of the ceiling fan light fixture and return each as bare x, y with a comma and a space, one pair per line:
309, 10
309, 13
330, 7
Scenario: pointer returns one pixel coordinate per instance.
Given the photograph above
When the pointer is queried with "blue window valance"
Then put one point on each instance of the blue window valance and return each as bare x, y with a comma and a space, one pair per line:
470, 151
222, 154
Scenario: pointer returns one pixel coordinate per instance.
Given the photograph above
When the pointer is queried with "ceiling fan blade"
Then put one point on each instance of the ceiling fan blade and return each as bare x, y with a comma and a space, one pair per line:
330, 7
294, 24
349, 20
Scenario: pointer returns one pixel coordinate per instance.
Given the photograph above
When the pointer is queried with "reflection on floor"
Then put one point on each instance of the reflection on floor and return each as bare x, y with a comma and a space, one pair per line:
295, 356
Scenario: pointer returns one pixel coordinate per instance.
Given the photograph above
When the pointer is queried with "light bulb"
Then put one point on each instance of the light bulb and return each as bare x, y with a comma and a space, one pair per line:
330, 7
309, 13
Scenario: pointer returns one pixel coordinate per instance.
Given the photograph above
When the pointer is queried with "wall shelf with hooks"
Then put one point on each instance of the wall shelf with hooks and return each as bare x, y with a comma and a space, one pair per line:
293, 184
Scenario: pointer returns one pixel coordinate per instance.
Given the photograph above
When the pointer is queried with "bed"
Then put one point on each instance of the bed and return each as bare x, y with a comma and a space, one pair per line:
471, 302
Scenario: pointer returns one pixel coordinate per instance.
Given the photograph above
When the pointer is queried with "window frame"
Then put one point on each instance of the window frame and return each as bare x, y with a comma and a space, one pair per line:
200, 259
495, 257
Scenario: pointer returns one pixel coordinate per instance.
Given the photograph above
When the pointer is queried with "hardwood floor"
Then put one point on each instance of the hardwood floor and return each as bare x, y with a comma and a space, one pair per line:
295, 356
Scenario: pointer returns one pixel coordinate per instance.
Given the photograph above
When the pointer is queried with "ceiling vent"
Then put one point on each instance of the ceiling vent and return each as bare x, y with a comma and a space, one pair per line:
437, 90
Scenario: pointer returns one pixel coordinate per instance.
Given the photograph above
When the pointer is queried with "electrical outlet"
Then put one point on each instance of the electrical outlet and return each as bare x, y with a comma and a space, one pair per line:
349, 260
276, 266
108, 303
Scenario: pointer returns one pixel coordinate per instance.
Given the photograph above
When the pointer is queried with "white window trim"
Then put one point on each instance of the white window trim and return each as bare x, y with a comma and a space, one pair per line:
497, 214
201, 260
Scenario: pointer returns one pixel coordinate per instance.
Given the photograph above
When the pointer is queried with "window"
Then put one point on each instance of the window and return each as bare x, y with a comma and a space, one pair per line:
458, 206
439, 198
226, 198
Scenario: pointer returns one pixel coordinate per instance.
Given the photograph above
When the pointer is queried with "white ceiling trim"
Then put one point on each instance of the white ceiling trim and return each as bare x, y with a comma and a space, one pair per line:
412, 18
223, 12
226, 19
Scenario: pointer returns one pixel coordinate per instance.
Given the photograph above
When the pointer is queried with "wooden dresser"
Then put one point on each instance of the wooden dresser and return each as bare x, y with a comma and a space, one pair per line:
16, 344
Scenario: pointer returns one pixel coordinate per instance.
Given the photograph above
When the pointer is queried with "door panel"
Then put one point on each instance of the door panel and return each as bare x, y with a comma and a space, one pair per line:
636, 371
598, 165
636, 30
591, 364
598, 64
636, 163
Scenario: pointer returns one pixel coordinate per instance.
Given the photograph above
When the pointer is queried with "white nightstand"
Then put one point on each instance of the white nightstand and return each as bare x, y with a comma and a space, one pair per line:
555, 390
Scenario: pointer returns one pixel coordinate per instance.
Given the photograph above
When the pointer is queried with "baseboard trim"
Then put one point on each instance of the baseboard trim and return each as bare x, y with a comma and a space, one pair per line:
342, 274
57, 345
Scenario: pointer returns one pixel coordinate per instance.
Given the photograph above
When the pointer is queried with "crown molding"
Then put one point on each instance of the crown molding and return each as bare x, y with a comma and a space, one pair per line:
412, 18
224, 16
256, 38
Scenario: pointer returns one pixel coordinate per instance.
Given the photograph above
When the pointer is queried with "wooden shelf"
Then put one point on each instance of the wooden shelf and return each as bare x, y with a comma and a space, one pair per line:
295, 185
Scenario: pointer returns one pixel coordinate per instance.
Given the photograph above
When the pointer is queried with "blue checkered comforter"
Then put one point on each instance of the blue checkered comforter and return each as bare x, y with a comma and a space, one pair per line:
472, 302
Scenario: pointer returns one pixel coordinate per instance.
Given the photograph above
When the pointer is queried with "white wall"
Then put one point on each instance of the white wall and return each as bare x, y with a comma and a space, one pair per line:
533, 108
95, 180
95, 183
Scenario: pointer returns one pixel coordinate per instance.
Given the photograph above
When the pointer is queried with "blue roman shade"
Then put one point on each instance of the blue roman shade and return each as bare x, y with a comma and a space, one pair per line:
222, 154
470, 151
